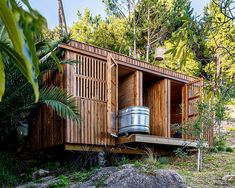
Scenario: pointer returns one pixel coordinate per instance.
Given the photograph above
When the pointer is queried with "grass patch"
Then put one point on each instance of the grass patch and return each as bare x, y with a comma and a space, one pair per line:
81, 176
215, 166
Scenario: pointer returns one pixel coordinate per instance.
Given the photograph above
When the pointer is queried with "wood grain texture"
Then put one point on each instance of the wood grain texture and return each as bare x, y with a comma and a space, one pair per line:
156, 97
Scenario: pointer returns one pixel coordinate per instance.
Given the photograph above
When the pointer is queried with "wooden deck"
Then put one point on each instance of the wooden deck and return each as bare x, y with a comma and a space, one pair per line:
157, 140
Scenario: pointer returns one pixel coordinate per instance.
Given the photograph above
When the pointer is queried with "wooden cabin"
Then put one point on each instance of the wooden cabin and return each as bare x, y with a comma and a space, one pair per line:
105, 82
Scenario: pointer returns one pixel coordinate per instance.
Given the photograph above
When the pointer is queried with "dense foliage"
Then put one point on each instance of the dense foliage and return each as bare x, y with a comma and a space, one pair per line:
26, 55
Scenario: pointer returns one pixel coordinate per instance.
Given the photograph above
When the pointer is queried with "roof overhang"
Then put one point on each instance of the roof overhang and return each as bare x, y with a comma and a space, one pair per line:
127, 61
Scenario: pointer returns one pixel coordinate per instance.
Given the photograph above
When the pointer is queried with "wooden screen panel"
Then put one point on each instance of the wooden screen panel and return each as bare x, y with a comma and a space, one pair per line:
157, 98
112, 96
89, 85
92, 129
192, 95
90, 78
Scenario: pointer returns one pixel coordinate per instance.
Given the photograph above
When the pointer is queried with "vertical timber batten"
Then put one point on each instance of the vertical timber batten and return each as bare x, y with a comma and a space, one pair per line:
112, 96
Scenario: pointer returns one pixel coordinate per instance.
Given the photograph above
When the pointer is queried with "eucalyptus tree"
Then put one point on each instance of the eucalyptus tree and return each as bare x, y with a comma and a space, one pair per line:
159, 20
126, 9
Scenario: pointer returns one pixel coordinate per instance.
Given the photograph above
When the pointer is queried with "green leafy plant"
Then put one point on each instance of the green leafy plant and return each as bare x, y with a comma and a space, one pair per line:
18, 103
63, 182
220, 148
123, 161
179, 152
138, 163
20, 25
81, 176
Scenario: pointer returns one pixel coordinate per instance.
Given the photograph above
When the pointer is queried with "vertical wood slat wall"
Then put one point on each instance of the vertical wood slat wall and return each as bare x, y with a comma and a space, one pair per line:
157, 98
191, 95
131, 90
46, 128
89, 84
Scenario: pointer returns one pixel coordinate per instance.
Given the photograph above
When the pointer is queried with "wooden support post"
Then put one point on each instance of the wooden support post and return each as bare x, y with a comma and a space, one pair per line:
138, 87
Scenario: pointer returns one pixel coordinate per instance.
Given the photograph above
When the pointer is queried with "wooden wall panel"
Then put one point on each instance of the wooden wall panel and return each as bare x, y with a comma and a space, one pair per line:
130, 90
47, 129
126, 94
92, 129
89, 85
157, 98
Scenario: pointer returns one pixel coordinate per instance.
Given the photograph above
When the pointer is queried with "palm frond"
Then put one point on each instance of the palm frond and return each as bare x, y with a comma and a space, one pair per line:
62, 102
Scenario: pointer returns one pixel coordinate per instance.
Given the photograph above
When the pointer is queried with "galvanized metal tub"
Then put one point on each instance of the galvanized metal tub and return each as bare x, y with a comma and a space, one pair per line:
134, 119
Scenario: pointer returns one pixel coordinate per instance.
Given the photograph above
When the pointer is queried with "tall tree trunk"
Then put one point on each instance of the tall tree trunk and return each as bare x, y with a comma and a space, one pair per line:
134, 23
148, 40
62, 21
134, 20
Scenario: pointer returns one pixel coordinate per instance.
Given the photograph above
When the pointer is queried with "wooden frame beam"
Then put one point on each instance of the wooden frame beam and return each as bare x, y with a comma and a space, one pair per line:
121, 150
157, 140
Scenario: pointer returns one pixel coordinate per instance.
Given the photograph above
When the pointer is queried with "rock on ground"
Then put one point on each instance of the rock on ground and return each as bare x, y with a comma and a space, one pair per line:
130, 177
126, 176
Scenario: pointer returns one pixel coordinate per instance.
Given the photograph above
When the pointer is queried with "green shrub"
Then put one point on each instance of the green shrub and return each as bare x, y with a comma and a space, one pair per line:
179, 152
10, 168
52, 165
229, 149
214, 150
164, 160
220, 148
221, 141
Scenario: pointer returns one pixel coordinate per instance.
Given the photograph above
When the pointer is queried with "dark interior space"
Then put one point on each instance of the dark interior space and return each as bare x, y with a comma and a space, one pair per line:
176, 109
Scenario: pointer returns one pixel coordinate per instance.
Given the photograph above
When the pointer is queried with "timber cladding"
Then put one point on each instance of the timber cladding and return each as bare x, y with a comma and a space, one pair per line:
87, 80
100, 92
157, 98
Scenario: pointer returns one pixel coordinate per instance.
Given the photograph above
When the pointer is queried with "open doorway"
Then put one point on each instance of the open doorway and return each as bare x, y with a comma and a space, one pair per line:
176, 109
